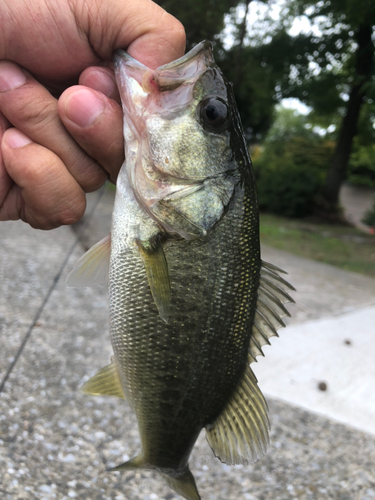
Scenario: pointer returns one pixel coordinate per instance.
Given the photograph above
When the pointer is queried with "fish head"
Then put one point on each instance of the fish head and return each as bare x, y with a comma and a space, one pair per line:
182, 140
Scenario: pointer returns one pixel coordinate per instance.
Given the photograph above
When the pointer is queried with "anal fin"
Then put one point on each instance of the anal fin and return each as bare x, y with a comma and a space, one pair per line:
105, 382
240, 434
157, 275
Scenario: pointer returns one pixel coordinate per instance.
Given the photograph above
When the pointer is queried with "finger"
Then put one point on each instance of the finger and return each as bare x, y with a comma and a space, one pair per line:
95, 122
4, 124
43, 192
102, 80
145, 30
5, 181
32, 109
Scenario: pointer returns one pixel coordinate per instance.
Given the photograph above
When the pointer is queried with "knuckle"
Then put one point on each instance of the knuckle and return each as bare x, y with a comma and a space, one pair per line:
175, 33
37, 112
71, 214
43, 224
178, 32
89, 175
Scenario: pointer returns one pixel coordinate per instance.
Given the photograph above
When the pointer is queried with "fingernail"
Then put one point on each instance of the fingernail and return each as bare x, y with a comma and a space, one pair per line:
11, 76
16, 139
83, 107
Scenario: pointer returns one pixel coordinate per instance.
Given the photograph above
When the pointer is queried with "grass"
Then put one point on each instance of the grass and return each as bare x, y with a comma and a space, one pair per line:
340, 246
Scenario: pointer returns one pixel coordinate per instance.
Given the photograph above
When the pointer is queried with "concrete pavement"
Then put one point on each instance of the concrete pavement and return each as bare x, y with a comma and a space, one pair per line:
330, 339
55, 443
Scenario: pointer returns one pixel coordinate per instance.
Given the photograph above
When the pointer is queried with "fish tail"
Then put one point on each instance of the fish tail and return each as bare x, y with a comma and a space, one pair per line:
183, 484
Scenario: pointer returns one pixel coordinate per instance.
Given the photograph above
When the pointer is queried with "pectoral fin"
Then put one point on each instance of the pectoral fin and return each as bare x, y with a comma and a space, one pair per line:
105, 382
157, 275
92, 267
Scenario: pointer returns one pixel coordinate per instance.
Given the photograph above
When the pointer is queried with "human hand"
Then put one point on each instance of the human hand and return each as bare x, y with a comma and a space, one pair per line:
52, 152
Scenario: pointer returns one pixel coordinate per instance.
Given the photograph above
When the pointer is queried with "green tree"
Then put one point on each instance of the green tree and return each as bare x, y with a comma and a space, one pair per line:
202, 19
339, 76
253, 84
331, 69
362, 160
291, 165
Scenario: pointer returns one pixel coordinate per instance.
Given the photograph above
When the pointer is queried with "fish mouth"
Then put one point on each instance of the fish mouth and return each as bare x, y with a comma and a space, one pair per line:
165, 91
171, 75
205, 46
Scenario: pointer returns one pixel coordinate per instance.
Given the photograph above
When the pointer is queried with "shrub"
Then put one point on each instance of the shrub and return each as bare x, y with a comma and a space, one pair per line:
290, 175
369, 217
362, 166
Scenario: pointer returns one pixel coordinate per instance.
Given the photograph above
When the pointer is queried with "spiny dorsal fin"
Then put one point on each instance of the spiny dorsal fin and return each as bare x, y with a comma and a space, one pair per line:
270, 309
157, 275
92, 267
105, 382
240, 434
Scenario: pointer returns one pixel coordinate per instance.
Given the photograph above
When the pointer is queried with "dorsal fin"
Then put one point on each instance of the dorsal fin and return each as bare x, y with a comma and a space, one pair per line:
240, 434
270, 309
92, 267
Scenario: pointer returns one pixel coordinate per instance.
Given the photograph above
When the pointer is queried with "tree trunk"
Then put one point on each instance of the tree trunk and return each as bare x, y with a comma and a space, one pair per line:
340, 159
238, 51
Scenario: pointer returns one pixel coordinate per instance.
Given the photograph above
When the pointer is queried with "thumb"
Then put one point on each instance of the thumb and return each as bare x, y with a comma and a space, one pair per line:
143, 28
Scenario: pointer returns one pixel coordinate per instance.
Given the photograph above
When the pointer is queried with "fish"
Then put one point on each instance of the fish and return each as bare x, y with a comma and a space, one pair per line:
191, 302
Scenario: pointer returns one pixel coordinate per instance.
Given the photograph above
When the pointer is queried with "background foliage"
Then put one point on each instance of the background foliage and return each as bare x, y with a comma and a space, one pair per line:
291, 166
302, 161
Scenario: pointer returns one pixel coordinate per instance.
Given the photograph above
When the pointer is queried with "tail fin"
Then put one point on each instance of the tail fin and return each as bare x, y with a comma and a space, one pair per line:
183, 483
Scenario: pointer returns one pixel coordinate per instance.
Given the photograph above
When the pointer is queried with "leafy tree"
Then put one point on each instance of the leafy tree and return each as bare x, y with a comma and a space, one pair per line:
333, 72
254, 90
362, 165
362, 160
202, 19
291, 166
369, 217
253, 84
331, 69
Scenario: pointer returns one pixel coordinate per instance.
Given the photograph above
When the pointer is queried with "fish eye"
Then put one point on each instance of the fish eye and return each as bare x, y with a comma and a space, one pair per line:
214, 114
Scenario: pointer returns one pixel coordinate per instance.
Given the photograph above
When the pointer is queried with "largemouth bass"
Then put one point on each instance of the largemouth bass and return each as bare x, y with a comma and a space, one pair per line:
191, 302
